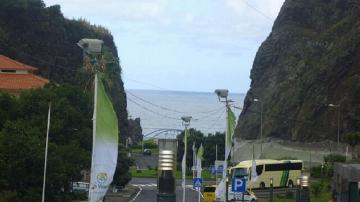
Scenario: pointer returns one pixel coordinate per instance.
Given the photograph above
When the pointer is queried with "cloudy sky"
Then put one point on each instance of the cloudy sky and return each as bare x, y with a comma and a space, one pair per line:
186, 45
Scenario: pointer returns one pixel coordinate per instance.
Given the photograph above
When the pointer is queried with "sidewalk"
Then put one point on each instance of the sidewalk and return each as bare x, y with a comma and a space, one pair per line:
125, 195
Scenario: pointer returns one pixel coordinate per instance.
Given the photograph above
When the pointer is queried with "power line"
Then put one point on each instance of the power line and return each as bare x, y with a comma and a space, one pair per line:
152, 111
258, 11
172, 110
213, 124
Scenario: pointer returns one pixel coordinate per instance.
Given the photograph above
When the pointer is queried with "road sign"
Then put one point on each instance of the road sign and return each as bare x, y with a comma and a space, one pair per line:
198, 182
219, 169
216, 169
238, 184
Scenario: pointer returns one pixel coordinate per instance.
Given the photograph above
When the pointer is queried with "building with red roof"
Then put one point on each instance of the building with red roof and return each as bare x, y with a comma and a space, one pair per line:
16, 76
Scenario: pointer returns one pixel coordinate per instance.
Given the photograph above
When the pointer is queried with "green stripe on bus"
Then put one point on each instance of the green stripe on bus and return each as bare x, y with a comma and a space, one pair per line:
284, 177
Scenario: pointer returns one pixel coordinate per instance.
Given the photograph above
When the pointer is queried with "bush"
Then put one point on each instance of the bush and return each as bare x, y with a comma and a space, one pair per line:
316, 188
316, 172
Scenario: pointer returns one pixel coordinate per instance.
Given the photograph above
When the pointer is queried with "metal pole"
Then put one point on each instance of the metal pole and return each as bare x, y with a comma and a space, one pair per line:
271, 192
199, 194
226, 146
261, 128
92, 176
46, 153
184, 173
216, 157
338, 127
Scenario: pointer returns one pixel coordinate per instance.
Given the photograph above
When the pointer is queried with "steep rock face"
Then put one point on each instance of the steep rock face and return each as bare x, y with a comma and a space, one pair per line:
40, 36
310, 59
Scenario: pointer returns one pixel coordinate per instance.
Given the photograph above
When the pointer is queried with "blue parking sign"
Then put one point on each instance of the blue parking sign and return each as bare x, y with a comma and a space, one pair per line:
238, 184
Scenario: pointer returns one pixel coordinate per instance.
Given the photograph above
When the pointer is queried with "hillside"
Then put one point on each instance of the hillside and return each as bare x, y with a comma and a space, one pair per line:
40, 36
310, 59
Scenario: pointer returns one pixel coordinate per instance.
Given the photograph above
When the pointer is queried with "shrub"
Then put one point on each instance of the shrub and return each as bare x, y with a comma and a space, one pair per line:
316, 188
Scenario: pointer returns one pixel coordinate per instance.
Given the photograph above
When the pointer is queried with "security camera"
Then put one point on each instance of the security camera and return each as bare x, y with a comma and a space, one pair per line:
91, 46
186, 118
222, 93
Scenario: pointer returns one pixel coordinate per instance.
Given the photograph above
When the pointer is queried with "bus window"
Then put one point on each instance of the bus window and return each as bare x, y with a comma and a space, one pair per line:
259, 169
240, 172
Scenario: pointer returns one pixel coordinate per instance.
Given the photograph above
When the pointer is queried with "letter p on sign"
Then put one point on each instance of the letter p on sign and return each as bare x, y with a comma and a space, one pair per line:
238, 185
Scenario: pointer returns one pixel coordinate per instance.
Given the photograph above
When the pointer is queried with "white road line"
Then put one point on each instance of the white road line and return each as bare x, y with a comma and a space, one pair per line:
140, 189
191, 188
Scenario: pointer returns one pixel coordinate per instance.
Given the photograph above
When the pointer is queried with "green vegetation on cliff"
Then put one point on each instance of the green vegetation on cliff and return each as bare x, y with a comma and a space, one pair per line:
40, 36
311, 59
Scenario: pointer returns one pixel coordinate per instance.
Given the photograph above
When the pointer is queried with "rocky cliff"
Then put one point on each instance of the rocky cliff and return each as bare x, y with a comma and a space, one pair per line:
42, 37
310, 59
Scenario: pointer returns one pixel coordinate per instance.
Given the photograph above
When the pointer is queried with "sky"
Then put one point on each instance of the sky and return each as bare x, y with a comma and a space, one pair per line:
182, 45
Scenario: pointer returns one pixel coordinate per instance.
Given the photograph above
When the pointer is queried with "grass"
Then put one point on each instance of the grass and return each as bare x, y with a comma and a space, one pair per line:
323, 197
153, 174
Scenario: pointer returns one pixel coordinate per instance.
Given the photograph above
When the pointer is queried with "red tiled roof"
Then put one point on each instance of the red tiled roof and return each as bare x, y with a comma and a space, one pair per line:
15, 82
10, 64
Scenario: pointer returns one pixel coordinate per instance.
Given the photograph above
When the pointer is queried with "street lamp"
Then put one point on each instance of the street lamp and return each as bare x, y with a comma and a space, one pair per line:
92, 48
223, 97
338, 122
186, 122
261, 124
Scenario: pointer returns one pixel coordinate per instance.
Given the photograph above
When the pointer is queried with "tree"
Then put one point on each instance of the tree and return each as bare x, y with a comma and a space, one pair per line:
353, 139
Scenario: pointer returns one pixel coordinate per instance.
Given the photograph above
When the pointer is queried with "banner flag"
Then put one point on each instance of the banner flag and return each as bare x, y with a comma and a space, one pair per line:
183, 162
199, 158
105, 145
253, 171
230, 129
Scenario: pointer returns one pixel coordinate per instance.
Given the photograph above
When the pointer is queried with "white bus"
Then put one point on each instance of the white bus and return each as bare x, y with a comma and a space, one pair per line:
284, 173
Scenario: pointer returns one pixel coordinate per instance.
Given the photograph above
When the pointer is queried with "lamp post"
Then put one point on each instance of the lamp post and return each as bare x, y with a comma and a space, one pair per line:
92, 49
223, 97
271, 189
186, 122
261, 124
338, 122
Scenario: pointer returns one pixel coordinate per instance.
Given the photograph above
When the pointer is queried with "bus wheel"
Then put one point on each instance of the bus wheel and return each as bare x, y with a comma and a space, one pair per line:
262, 185
290, 184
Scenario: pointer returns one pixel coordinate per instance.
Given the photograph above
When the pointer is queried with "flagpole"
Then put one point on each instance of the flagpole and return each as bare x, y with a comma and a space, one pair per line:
46, 153
186, 122
184, 159
92, 177
194, 159
216, 158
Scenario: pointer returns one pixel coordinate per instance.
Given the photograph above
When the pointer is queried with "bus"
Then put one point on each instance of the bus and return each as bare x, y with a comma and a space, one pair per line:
284, 173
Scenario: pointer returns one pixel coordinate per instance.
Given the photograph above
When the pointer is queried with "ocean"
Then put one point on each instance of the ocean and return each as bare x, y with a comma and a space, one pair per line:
163, 110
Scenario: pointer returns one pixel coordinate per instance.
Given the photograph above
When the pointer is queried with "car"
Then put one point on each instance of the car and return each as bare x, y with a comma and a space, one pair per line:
147, 152
248, 196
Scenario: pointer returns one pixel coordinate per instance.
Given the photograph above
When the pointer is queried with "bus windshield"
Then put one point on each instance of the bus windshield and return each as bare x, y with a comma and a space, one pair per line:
240, 172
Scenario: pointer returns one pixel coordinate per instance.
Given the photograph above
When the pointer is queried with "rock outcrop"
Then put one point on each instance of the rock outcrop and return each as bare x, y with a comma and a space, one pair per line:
311, 59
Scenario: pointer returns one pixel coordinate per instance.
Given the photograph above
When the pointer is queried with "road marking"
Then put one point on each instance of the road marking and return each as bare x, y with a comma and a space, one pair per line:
140, 189
145, 185
191, 188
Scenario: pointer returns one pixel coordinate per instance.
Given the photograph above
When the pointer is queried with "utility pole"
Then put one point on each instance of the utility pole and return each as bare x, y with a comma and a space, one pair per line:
338, 123
261, 124
186, 122
223, 97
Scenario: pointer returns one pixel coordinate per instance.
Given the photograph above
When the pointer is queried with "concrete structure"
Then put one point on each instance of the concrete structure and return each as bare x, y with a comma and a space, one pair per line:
346, 182
16, 76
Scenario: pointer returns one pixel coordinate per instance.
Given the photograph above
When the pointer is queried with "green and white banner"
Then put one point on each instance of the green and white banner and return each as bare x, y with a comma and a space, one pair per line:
199, 158
105, 145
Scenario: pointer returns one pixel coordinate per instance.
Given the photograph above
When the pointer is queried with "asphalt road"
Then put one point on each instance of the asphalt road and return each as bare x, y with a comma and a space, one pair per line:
148, 190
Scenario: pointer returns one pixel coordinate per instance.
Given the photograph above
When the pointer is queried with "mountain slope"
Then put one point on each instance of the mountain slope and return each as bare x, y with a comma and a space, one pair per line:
310, 59
40, 36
